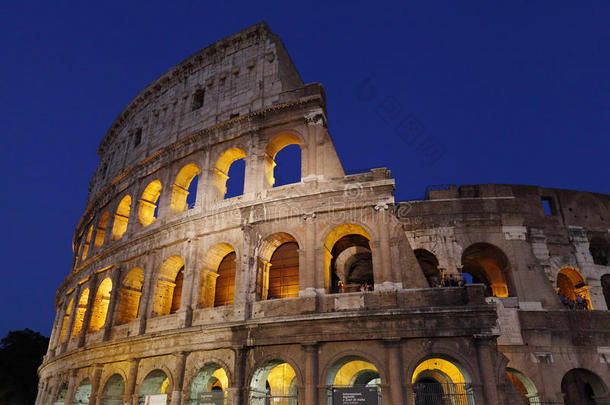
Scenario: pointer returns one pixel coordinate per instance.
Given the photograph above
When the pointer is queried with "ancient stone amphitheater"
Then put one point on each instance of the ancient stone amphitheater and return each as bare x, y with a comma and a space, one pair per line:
322, 291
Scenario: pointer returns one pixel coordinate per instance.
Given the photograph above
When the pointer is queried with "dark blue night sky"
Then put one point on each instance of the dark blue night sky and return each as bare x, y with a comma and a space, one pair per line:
517, 92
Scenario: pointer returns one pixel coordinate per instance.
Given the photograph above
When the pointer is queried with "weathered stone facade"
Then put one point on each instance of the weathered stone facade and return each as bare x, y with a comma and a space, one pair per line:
264, 297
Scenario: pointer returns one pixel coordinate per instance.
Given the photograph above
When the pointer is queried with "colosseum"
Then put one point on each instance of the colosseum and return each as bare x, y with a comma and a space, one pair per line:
321, 291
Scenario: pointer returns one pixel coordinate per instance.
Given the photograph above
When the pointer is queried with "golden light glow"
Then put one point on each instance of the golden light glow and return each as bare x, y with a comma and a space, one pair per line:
100, 305
567, 280
439, 365
166, 282
148, 203
347, 374
181, 187
164, 386
221, 376
100, 232
121, 218
129, 298
280, 379
86, 244
277, 143
221, 169
81, 309
64, 325
332, 238
285, 277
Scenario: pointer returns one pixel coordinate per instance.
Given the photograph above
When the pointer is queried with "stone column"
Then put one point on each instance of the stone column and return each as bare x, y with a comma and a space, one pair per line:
409, 394
95, 384
56, 333
114, 297
384, 247
311, 372
190, 272
55, 390
165, 198
131, 397
42, 387
148, 287
71, 387
237, 387
87, 320
394, 361
307, 258
486, 357
179, 378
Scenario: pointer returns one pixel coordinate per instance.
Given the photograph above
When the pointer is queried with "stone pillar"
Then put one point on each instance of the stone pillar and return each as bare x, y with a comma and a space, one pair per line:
486, 357
87, 320
114, 297
148, 287
190, 272
384, 248
131, 396
311, 372
55, 390
71, 387
394, 362
95, 384
409, 394
56, 332
255, 180
237, 387
307, 259
179, 378
42, 387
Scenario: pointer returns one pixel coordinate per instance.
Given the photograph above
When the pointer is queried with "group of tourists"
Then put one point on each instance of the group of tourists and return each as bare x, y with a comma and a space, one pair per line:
447, 280
580, 303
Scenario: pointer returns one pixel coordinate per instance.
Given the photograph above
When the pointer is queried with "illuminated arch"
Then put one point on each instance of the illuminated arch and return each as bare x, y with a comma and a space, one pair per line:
274, 381
217, 277
524, 386
211, 379
355, 266
113, 391
149, 202
583, 387
129, 296
81, 309
180, 188
156, 382
278, 143
87, 243
100, 232
429, 265
121, 218
352, 371
278, 267
169, 286
64, 324
83, 392
572, 284
487, 264
100, 305
438, 378
221, 169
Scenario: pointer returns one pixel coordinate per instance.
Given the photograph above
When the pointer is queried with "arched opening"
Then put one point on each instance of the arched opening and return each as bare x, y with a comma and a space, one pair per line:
210, 386
600, 250
169, 286
274, 382
113, 391
524, 386
149, 203
348, 259
486, 264
83, 392
100, 305
61, 395
278, 267
288, 161
221, 173
354, 377
155, 388
217, 277
100, 232
572, 289
121, 218
49, 396
129, 296
429, 265
87, 243
81, 309
582, 387
64, 324
441, 381
605, 281
185, 184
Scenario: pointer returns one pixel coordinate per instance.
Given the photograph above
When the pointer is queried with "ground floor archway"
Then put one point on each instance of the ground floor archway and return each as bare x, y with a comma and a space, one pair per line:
353, 377
440, 381
582, 387
273, 383
156, 384
81, 396
113, 391
524, 386
209, 386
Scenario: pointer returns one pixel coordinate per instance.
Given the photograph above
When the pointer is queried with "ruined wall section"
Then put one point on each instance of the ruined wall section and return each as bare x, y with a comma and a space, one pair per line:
233, 77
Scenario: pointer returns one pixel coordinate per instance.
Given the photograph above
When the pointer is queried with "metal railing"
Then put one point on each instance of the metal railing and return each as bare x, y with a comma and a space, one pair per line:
443, 394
